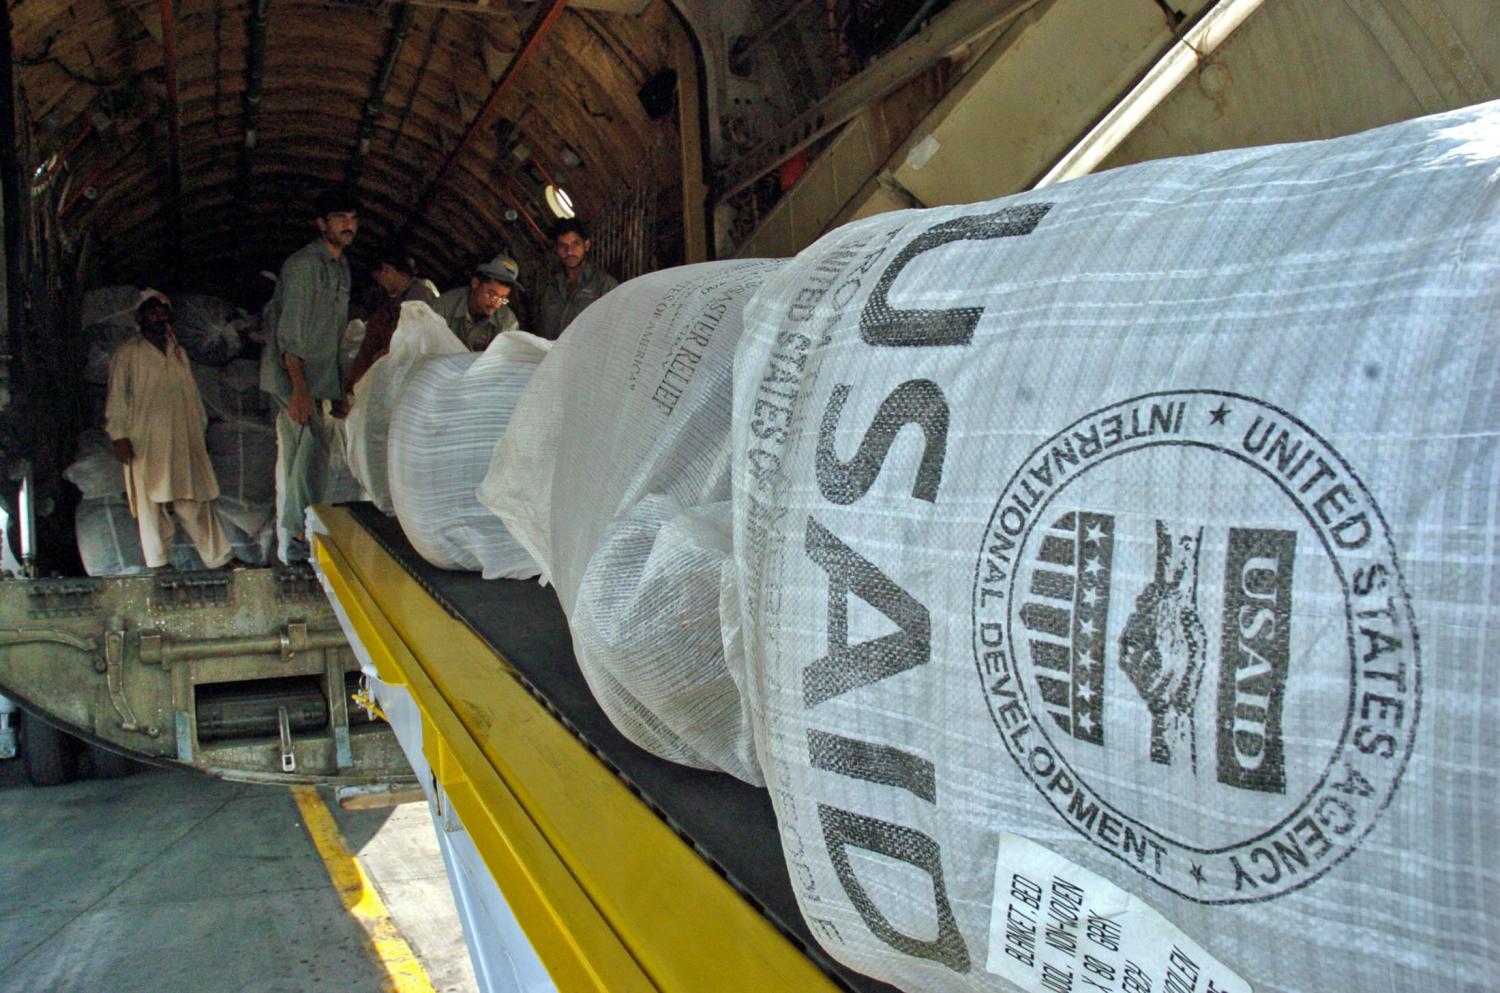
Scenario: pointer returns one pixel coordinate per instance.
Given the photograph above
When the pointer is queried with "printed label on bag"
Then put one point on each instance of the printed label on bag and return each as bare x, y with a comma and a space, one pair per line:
1056, 927
1196, 643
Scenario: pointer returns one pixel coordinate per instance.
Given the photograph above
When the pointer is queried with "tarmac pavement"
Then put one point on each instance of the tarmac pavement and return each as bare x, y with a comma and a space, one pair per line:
179, 883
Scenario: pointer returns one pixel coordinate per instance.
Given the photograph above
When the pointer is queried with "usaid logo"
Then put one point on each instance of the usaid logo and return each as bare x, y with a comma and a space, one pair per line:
1195, 641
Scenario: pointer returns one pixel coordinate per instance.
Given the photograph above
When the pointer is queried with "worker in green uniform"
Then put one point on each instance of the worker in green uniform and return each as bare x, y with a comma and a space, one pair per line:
300, 366
479, 311
578, 284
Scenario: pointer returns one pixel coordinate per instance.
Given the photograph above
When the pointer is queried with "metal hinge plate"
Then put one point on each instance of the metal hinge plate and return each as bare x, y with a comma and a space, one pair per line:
61, 598
297, 583
171, 592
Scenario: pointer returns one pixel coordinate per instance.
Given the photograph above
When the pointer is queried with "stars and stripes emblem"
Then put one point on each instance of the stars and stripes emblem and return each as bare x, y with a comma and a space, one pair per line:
1065, 613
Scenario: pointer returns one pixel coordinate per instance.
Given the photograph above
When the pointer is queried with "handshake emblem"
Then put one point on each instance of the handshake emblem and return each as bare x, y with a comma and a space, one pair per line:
1163, 649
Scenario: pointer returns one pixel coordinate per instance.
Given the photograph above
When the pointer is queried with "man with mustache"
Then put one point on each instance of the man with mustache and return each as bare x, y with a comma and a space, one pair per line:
300, 368
579, 284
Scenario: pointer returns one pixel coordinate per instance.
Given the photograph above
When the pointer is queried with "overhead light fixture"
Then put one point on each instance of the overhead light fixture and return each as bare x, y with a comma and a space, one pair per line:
558, 201
44, 170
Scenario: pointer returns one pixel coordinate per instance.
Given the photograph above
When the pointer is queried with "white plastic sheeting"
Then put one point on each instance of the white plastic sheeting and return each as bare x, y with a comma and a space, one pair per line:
208, 328
443, 431
1086, 542
233, 393
101, 340
241, 440
243, 454
342, 487
95, 470
212, 331
251, 548
419, 332
109, 541
614, 474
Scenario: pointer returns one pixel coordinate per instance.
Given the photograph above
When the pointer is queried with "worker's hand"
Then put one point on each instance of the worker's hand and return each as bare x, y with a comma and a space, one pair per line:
300, 406
124, 451
341, 406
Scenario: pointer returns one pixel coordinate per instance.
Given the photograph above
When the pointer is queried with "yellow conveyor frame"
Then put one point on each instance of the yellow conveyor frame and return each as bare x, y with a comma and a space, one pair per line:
610, 898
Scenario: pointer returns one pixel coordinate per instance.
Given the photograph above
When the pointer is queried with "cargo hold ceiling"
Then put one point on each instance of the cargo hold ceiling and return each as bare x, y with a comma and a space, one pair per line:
277, 99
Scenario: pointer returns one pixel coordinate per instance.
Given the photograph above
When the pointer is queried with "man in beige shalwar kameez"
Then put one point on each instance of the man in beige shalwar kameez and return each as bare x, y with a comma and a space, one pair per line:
156, 419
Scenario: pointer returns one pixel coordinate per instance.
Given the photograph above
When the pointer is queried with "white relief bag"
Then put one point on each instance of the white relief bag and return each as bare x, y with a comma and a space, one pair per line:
614, 474
233, 393
1117, 569
95, 470
103, 341
419, 332
444, 429
243, 454
209, 329
108, 538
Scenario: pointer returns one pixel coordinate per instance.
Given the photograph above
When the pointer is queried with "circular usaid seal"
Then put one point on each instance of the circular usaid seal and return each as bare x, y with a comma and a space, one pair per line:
1195, 641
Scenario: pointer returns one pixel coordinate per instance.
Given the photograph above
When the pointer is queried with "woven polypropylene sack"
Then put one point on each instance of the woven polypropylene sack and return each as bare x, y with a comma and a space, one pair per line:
614, 474
243, 455
443, 431
109, 541
341, 487
232, 392
102, 341
208, 328
95, 470
258, 548
1117, 570
419, 332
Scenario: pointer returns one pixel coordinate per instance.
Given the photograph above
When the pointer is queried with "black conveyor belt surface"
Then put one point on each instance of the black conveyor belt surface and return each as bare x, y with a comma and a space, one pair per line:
728, 822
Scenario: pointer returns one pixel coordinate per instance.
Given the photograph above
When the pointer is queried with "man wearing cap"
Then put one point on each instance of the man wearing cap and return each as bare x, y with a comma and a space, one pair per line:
579, 284
396, 283
155, 418
300, 368
478, 312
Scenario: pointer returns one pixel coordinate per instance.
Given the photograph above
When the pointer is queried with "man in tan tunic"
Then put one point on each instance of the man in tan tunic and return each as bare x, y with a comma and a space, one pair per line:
156, 419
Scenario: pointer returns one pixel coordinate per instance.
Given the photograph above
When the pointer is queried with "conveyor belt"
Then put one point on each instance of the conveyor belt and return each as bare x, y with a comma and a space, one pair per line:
728, 822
